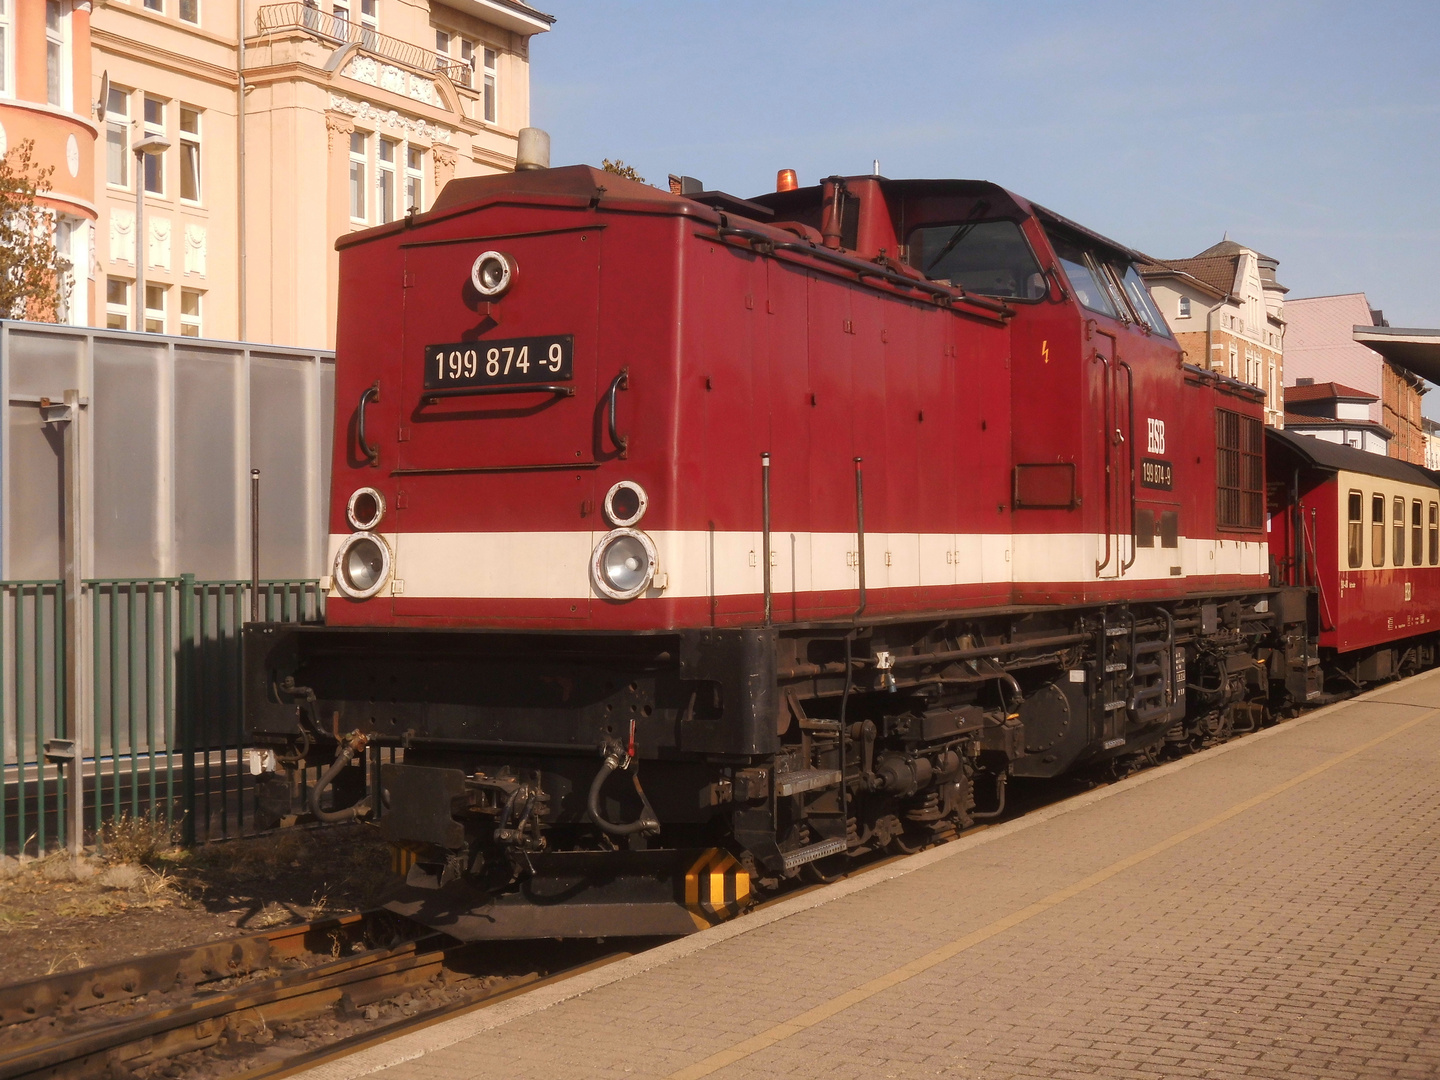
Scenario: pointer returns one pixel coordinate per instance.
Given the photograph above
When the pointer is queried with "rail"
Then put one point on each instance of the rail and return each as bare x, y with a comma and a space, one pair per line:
280, 18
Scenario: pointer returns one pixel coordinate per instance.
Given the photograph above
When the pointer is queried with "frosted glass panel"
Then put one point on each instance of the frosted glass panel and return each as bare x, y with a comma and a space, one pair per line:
281, 447
44, 365
125, 429
33, 520
211, 477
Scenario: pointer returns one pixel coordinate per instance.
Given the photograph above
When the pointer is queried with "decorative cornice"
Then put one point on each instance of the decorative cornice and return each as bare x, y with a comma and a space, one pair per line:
392, 118
147, 53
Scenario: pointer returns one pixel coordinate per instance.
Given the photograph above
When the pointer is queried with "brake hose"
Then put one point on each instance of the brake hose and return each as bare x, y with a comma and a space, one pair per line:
647, 821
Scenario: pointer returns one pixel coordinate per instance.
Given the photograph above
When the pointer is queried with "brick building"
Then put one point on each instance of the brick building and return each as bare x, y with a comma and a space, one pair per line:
1227, 312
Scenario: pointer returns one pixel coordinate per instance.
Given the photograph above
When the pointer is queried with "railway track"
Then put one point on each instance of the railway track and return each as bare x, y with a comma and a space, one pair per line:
231, 1008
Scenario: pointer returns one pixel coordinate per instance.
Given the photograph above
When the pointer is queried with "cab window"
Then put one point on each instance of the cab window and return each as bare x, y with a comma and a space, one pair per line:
1140, 298
989, 258
1085, 277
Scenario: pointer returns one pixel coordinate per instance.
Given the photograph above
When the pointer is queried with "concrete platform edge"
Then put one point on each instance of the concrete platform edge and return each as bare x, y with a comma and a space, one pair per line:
485, 1018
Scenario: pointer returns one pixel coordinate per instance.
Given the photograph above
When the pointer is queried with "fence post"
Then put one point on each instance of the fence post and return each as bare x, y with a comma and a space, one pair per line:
185, 704
74, 640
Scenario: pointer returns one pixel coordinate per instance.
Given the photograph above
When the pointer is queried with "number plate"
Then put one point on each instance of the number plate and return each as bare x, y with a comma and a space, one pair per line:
494, 363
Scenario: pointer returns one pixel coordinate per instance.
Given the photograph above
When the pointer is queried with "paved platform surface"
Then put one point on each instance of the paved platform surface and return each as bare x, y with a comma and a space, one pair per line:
1270, 908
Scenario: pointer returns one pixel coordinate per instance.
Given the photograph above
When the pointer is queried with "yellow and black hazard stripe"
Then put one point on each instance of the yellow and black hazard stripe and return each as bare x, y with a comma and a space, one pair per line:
716, 888
402, 858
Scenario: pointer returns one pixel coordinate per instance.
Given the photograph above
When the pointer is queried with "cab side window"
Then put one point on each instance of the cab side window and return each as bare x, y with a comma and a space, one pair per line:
1377, 530
1086, 278
1140, 299
1357, 528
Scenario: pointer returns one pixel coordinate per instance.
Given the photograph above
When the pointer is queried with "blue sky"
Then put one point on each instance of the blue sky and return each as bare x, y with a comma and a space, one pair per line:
1307, 130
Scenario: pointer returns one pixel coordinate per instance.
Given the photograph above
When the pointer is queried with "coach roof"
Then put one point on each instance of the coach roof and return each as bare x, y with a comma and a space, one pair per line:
1333, 457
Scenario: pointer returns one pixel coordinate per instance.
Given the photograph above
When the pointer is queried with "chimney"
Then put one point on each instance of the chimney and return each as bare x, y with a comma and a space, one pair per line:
1305, 382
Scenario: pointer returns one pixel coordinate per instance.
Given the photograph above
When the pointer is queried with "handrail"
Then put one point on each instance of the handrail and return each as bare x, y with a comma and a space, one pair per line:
430, 397
620, 382
369, 394
1130, 399
277, 18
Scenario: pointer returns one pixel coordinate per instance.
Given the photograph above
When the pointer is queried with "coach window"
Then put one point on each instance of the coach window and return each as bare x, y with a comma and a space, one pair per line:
1434, 534
1399, 518
990, 258
1417, 535
1357, 529
1377, 530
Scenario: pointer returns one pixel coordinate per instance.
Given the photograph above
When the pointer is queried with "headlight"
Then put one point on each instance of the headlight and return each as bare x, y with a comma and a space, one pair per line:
365, 509
625, 504
362, 565
492, 273
623, 564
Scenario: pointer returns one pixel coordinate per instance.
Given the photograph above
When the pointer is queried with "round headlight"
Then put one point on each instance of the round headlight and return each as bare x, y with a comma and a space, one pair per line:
623, 564
365, 509
625, 503
492, 273
362, 565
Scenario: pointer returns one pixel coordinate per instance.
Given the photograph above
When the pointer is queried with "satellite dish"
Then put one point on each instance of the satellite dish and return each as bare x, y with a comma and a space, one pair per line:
104, 95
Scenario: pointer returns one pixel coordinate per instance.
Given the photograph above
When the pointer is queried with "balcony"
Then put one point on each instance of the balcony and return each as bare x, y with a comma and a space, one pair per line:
281, 18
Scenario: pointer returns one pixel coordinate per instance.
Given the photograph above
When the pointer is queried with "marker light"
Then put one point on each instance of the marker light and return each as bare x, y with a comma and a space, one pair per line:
365, 509
625, 503
623, 564
785, 180
362, 565
492, 273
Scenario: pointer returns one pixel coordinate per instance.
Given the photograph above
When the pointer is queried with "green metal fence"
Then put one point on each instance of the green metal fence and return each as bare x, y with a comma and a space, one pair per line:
165, 739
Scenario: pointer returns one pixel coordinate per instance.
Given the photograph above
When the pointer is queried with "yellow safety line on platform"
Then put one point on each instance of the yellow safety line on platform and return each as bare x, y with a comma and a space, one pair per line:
865, 991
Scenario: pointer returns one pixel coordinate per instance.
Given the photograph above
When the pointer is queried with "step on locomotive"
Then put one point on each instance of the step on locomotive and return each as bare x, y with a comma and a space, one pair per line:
683, 544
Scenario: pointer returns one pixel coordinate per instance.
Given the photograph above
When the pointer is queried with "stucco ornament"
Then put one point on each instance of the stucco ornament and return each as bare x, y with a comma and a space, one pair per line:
4, 141
390, 118
159, 242
72, 156
122, 236
195, 249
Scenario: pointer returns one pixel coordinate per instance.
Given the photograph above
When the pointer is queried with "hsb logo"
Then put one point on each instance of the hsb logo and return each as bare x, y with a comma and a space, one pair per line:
1155, 430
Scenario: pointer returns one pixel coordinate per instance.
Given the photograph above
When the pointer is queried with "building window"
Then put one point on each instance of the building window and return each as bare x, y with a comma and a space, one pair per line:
1377, 530
467, 57
342, 19
1240, 471
189, 313
190, 11
358, 201
369, 22
1184, 312
189, 154
1356, 530
385, 186
489, 86
69, 234
5, 64
1434, 534
414, 177
117, 131
1417, 534
55, 81
155, 308
155, 5
442, 50
117, 304
1399, 530
154, 163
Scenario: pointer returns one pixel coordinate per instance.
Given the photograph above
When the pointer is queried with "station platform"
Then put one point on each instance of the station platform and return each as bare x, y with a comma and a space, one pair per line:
1268, 908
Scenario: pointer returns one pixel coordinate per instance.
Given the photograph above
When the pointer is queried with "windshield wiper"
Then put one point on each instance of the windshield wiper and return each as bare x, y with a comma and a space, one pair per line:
961, 231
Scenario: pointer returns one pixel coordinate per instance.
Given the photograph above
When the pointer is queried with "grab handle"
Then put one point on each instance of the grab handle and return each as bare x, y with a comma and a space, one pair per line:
620, 382
369, 394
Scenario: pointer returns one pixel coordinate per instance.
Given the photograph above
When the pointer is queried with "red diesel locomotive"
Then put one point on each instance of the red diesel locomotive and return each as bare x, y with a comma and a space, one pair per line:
816, 517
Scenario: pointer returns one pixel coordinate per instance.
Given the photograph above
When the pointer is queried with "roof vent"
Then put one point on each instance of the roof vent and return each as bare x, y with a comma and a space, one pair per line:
532, 150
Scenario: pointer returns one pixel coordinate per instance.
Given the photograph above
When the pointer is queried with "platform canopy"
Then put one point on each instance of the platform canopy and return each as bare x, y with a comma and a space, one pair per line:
1415, 350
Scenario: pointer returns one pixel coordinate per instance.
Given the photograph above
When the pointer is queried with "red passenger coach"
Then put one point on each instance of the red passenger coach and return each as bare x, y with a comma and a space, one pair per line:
1369, 542
820, 515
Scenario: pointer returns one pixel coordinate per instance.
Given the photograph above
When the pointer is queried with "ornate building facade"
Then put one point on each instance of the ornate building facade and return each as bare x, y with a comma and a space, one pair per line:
274, 134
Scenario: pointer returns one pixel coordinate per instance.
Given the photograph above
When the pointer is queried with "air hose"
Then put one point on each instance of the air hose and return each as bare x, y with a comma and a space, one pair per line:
621, 761
350, 747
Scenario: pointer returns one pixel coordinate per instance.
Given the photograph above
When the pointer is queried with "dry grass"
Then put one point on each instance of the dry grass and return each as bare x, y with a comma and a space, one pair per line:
141, 840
